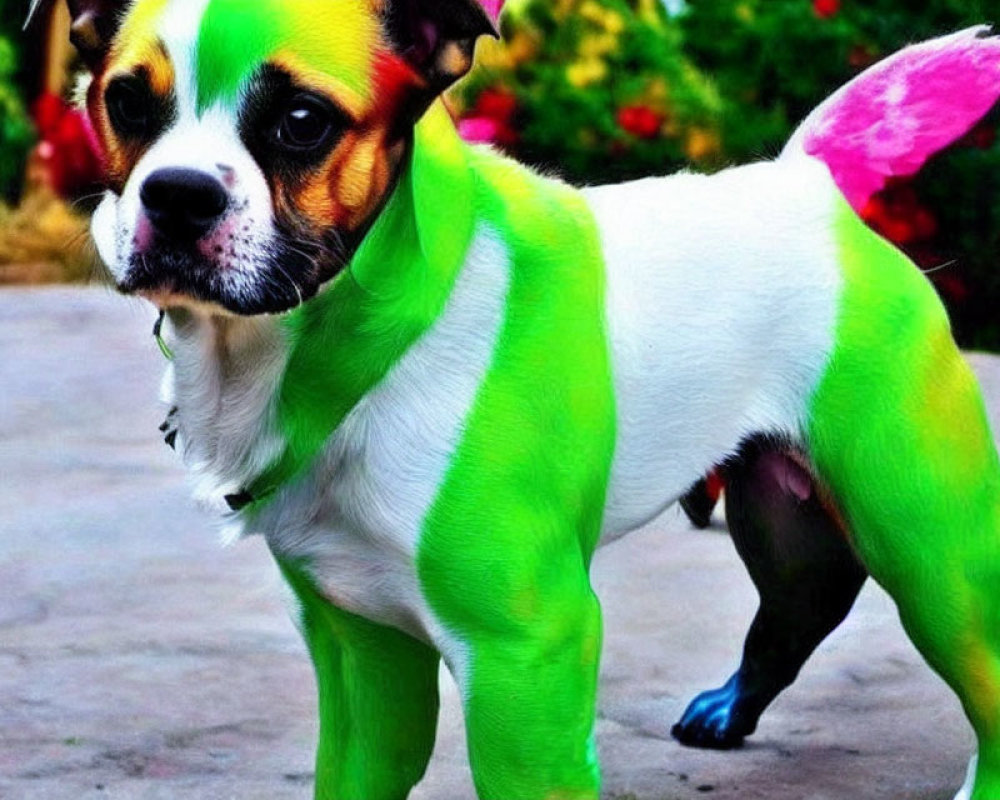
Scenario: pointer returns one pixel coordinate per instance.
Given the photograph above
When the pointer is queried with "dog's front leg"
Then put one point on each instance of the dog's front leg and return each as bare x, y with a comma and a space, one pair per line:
525, 654
529, 704
378, 700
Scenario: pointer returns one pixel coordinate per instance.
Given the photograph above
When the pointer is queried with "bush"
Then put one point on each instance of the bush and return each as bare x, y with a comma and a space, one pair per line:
596, 90
603, 90
16, 132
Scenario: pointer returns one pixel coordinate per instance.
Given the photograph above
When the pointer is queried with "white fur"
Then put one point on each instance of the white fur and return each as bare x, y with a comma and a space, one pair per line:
208, 142
965, 793
356, 517
178, 28
224, 382
721, 302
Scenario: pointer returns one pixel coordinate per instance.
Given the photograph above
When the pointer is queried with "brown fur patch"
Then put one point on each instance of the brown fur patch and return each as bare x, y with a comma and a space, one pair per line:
150, 61
348, 187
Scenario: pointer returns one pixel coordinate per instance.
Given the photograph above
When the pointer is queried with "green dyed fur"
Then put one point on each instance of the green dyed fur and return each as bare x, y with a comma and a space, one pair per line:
505, 550
378, 699
345, 340
236, 37
898, 432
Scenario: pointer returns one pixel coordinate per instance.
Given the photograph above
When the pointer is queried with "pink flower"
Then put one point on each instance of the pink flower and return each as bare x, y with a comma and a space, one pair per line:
479, 129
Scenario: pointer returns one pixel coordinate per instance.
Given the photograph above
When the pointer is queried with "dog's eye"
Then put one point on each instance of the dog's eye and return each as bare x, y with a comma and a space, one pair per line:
130, 107
307, 123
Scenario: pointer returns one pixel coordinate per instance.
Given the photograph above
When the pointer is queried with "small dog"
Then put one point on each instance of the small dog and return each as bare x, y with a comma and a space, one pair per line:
436, 381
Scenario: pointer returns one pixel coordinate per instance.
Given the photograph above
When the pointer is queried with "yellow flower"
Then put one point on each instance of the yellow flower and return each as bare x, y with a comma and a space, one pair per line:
563, 8
613, 22
656, 92
648, 12
701, 143
521, 47
744, 12
592, 11
596, 45
585, 72
610, 21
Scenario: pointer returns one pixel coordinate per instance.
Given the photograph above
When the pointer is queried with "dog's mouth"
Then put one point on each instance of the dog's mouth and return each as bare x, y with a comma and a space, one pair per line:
267, 283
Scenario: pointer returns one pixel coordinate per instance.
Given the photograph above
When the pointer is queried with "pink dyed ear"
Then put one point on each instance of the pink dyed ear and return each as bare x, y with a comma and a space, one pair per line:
493, 8
894, 116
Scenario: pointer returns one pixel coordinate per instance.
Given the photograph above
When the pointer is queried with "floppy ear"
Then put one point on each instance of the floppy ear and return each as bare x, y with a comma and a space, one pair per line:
437, 38
94, 24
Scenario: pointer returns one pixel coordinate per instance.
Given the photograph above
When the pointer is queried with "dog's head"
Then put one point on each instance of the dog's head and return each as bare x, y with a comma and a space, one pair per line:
250, 144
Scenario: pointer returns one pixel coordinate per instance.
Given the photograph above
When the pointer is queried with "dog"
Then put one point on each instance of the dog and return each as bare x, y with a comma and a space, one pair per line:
435, 381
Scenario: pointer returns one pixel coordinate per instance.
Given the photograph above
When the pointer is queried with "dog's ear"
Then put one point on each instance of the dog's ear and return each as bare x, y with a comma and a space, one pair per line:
437, 38
94, 24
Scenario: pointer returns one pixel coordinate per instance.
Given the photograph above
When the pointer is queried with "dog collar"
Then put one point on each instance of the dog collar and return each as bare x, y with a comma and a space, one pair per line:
158, 335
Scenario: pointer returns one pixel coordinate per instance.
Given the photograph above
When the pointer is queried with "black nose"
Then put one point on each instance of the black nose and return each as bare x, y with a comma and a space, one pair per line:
183, 204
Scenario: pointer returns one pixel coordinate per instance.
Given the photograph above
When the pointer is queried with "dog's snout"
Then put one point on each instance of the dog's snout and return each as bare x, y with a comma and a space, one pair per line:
183, 204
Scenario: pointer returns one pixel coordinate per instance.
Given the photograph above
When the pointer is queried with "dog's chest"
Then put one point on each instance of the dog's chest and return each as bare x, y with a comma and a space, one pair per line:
222, 387
354, 518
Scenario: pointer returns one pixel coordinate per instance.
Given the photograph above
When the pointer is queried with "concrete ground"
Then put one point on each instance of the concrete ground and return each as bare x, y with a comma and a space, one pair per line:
139, 659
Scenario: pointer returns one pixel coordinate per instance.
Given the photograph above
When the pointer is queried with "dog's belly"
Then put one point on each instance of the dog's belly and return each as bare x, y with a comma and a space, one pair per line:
721, 306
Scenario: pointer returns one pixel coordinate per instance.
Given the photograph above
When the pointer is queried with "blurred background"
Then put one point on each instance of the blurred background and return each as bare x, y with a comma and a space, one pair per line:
594, 91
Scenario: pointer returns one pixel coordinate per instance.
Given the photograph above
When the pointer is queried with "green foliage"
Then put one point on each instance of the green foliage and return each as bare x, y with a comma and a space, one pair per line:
775, 60
602, 90
16, 132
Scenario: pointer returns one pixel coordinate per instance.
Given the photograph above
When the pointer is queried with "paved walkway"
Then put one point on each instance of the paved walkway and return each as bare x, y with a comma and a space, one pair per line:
138, 659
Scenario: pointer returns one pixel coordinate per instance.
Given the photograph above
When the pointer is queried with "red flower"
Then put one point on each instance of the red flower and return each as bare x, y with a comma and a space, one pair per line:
982, 137
896, 213
826, 8
67, 146
861, 57
951, 286
496, 104
640, 121
490, 119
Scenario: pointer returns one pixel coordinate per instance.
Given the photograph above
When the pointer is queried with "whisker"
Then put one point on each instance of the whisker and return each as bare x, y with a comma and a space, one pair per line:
939, 267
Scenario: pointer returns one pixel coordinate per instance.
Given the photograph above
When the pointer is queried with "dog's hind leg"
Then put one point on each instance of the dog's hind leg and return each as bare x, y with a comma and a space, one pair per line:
378, 700
805, 572
898, 434
921, 491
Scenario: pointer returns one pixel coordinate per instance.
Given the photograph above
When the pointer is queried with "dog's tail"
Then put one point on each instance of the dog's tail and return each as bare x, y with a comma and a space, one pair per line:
895, 115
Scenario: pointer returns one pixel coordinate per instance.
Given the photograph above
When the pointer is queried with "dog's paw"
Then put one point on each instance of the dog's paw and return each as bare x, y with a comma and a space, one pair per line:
716, 719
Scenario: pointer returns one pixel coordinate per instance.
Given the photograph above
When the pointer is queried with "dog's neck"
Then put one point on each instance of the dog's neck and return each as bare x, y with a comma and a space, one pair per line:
222, 381
258, 397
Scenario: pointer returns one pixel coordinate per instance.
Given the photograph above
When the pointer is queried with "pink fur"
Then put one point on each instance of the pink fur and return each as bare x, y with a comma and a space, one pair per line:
493, 7
894, 116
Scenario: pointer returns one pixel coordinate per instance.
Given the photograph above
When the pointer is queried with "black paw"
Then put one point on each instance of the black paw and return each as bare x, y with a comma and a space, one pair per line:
717, 719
